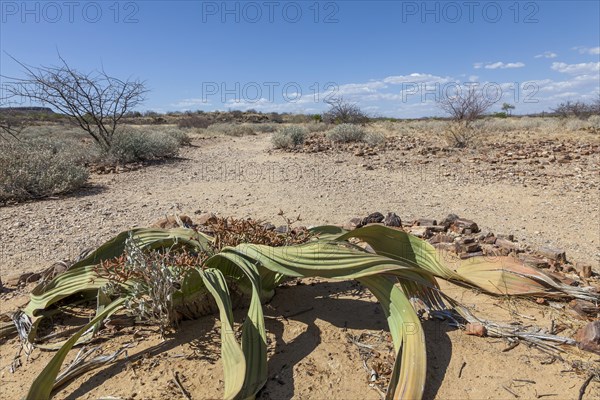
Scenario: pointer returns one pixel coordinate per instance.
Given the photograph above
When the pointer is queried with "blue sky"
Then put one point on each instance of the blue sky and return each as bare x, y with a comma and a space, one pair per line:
392, 58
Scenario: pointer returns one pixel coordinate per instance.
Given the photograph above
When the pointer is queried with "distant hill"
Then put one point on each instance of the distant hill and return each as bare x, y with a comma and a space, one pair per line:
26, 110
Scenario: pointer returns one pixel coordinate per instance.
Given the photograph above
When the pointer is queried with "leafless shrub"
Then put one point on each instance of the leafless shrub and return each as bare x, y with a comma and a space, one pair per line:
460, 134
343, 112
464, 107
96, 101
577, 109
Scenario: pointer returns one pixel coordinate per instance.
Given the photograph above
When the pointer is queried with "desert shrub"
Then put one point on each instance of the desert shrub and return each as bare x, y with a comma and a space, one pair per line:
460, 134
575, 124
594, 122
313, 127
39, 168
264, 128
130, 145
343, 112
345, 133
182, 137
275, 117
374, 138
288, 137
231, 129
194, 121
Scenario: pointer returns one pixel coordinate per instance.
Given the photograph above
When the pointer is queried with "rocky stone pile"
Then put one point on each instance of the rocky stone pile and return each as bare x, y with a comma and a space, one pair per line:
463, 238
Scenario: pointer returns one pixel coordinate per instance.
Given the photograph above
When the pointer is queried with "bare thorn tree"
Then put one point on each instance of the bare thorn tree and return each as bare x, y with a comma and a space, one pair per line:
464, 107
344, 112
467, 104
95, 100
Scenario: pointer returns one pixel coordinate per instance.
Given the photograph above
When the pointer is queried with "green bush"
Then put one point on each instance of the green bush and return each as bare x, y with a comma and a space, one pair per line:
130, 145
345, 133
288, 137
39, 168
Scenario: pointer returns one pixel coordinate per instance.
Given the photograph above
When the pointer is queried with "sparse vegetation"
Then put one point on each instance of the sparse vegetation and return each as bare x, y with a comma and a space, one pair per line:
464, 107
37, 168
577, 109
194, 121
343, 112
96, 101
264, 128
131, 145
374, 138
345, 133
182, 137
289, 137
231, 129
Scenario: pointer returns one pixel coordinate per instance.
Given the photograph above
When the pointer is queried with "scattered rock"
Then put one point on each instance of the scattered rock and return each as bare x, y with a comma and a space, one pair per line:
420, 232
506, 237
471, 247
449, 247
441, 238
588, 337
461, 225
534, 261
426, 222
392, 220
449, 220
207, 218
506, 244
464, 256
172, 221
584, 270
353, 224
553, 254
475, 330
373, 218
490, 239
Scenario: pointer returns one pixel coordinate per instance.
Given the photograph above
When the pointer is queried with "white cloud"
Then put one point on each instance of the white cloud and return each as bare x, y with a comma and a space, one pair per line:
415, 78
576, 69
501, 65
414, 95
186, 103
547, 54
587, 50
358, 88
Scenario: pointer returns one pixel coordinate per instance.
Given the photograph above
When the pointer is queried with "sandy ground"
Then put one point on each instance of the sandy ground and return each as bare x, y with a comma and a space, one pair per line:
310, 354
242, 177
